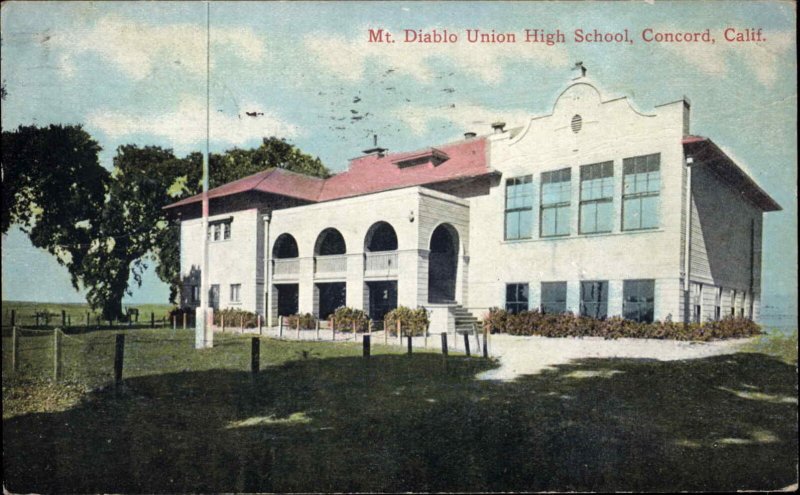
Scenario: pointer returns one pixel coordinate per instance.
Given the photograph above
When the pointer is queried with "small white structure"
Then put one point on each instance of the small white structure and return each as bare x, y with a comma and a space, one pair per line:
596, 208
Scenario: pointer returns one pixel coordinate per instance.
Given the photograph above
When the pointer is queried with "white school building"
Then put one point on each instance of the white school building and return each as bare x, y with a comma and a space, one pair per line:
595, 208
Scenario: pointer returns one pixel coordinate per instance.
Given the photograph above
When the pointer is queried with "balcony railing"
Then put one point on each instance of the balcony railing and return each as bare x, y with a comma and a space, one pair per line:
382, 263
283, 269
327, 266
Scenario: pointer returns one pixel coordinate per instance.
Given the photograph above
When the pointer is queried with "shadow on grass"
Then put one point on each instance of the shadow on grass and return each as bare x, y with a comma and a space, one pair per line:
404, 423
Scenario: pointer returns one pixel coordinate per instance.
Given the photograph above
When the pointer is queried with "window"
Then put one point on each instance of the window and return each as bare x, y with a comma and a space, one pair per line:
594, 299
213, 296
695, 300
195, 294
733, 302
516, 298
638, 300
220, 230
519, 207
597, 192
235, 290
554, 297
555, 197
718, 304
641, 188
217, 230
226, 230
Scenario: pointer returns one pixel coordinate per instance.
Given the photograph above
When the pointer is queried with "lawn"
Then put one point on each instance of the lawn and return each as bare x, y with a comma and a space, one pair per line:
319, 417
25, 312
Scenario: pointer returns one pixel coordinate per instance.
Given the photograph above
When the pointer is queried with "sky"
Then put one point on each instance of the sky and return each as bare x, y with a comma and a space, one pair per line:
135, 72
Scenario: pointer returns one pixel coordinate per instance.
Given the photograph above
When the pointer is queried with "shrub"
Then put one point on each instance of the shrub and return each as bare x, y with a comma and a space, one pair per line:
345, 317
235, 318
178, 313
496, 319
307, 321
412, 321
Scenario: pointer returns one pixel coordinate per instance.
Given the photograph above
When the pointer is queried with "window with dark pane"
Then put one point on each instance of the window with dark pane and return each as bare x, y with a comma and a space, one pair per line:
640, 192
638, 300
519, 208
594, 299
554, 297
597, 193
516, 298
555, 203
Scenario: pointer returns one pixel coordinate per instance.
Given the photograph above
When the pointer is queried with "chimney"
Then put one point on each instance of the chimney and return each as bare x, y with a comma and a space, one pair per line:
578, 71
469, 135
498, 127
375, 149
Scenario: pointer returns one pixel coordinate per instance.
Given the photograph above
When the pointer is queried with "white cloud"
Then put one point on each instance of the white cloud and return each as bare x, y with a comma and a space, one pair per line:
347, 58
720, 58
466, 116
187, 125
137, 49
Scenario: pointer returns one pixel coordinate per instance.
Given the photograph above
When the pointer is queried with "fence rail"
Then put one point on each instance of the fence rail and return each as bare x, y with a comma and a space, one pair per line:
330, 265
382, 263
285, 268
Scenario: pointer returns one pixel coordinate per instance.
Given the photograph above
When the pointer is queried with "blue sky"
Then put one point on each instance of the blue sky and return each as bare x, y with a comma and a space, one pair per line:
134, 72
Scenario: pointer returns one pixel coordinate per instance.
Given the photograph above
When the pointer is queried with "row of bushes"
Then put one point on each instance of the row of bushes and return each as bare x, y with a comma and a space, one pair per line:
569, 325
412, 321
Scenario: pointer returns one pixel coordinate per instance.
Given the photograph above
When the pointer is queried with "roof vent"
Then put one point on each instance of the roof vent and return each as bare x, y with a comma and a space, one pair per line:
577, 123
498, 127
578, 71
375, 149
469, 135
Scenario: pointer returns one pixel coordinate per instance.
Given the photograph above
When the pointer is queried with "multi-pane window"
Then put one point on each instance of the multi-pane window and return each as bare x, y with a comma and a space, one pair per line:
554, 297
235, 290
638, 300
640, 195
733, 302
519, 207
555, 203
597, 192
695, 300
718, 304
594, 299
219, 230
516, 298
226, 230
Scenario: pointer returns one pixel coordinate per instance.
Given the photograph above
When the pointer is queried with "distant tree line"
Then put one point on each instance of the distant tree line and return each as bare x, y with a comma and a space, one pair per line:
105, 226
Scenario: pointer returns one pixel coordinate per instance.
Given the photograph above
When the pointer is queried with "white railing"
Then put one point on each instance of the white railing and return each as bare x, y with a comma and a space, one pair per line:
285, 268
330, 265
382, 263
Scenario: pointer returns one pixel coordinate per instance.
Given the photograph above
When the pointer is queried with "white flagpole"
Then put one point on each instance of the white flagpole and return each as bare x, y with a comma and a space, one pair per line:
204, 336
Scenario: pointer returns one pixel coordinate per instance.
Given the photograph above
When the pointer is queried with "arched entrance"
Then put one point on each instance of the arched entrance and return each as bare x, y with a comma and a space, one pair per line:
330, 264
443, 264
285, 266
380, 256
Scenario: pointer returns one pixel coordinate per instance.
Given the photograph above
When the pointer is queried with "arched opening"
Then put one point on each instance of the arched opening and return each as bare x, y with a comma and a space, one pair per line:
329, 242
380, 237
443, 264
285, 247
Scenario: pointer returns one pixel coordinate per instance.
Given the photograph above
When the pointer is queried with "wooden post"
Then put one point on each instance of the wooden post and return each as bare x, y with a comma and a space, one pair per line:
385, 333
477, 337
369, 327
56, 354
280, 326
37, 319
317, 329
426, 334
466, 343
333, 327
184, 321
399, 333
297, 329
130, 321
260, 327
174, 322
241, 324
63, 318
87, 319
366, 345
222, 322
13, 317
119, 356
409, 344
485, 341
255, 355
14, 347
355, 337
444, 344
152, 320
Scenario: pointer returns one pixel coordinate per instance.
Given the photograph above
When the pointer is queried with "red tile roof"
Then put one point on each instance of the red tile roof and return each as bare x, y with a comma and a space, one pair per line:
367, 174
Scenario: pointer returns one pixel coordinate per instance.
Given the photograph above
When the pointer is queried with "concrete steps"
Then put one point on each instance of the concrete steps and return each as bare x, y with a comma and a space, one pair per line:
464, 319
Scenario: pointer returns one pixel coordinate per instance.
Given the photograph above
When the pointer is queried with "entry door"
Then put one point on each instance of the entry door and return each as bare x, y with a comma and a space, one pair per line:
382, 299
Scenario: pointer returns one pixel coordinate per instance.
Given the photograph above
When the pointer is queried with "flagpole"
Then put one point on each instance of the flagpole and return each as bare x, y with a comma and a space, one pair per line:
204, 336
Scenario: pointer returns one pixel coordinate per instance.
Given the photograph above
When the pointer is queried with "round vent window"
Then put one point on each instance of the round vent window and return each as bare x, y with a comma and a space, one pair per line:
577, 123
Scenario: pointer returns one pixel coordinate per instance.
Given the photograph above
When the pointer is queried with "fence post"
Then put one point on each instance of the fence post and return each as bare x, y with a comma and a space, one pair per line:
485, 341
333, 327
152, 320
426, 334
366, 345
297, 330
119, 356
399, 333
369, 327
444, 344
385, 333
409, 344
317, 329
14, 347
37, 319
184, 321
222, 322
255, 355
477, 337
355, 336
13, 317
241, 324
280, 326
466, 343
69, 320
63, 318
174, 322
260, 328
56, 355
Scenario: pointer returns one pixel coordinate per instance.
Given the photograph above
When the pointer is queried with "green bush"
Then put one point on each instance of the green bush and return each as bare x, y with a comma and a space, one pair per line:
412, 321
569, 325
307, 321
235, 318
345, 317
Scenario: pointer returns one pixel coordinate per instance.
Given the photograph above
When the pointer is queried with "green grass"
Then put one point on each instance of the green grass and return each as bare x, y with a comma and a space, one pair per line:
321, 418
782, 345
25, 312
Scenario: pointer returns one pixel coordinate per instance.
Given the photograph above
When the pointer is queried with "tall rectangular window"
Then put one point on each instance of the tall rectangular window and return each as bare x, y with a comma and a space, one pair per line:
638, 300
195, 294
217, 231
640, 193
733, 302
554, 297
516, 298
226, 230
213, 296
718, 304
555, 203
696, 300
519, 208
597, 193
594, 299
235, 293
